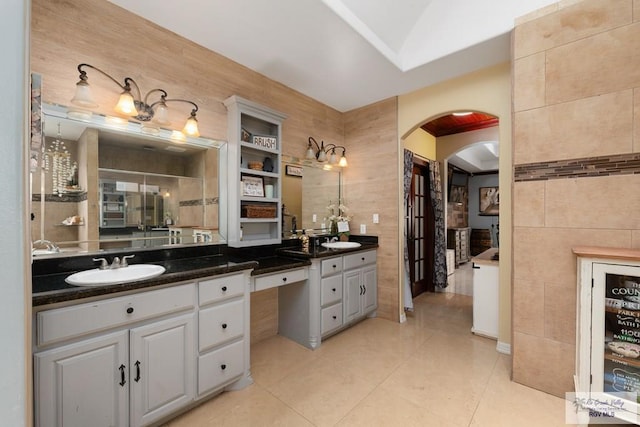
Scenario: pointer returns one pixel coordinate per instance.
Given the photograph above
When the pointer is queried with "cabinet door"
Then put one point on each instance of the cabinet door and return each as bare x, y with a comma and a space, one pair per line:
83, 384
370, 286
162, 368
353, 292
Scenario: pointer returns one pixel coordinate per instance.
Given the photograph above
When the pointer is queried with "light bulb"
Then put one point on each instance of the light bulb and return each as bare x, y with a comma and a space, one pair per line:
126, 105
191, 126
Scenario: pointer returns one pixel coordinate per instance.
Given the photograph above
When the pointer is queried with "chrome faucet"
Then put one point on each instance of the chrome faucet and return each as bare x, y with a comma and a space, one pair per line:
51, 247
124, 262
116, 263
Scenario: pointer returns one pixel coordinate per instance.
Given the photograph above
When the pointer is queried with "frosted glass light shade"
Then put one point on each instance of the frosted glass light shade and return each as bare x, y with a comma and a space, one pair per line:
191, 127
343, 162
83, 96
310, 153
333, 159
161, 114
125, 105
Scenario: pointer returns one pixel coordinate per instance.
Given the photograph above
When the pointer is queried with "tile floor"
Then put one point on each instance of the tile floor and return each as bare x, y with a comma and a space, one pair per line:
429, 371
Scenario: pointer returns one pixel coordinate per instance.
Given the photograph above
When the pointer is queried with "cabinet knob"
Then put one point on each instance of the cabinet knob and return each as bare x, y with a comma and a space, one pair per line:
129, 310
334, 289
363, 258
284, 279
224, 326
335, 266
224, 289
223, 366
334, 317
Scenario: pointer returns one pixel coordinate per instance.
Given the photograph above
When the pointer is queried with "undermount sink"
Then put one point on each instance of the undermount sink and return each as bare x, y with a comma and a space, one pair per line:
341, 245
97, 277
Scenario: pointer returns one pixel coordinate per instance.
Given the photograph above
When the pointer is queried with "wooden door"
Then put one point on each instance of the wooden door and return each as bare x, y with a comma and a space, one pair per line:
420, 231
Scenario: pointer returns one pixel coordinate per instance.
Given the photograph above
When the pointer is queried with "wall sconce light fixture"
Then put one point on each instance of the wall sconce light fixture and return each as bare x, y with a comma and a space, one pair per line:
152, 115
320, 153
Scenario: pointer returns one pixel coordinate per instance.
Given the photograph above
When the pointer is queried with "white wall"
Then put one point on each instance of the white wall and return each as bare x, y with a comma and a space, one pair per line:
13, 254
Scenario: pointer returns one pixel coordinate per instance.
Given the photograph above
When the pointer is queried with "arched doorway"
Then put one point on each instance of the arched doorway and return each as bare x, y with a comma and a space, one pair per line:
474, 139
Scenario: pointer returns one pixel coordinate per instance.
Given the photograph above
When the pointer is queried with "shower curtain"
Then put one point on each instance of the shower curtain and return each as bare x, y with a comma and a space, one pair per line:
408, 172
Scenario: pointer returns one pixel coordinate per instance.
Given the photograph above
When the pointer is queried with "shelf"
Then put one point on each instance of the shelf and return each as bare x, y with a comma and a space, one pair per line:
246, 116
245, 171
258, 220
251, 146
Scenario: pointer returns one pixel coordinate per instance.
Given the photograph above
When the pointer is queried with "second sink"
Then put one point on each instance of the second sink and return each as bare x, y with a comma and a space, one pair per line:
97, 277
341, 245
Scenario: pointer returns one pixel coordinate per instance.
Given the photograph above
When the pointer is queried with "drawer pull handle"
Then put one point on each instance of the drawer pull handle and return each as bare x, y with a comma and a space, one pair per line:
284, 279
224, 289
129, 310
122, 380
361, 291
137, 378
364, 290
224, 326
223, 366
335, 266
334, 317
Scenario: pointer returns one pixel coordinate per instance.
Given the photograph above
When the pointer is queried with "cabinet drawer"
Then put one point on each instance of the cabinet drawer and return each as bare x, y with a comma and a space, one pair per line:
278, 279
220, 288
69, 322
331, 266
220, 323
220, 367
359, 259
331, 318
331, 290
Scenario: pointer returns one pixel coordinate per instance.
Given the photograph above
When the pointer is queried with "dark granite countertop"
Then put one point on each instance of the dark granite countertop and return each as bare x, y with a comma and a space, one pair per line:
52, 288
322, 252
48, 276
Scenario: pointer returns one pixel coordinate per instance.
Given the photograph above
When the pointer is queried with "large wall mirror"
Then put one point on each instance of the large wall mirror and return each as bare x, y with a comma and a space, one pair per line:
308, 187
100, 184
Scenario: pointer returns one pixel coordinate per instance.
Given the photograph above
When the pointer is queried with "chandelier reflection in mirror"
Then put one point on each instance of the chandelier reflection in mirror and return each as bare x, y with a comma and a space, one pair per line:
325, 154
151, 114
56, 160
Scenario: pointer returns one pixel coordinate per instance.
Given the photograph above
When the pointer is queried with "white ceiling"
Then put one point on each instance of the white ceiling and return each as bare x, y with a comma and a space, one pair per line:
347, 53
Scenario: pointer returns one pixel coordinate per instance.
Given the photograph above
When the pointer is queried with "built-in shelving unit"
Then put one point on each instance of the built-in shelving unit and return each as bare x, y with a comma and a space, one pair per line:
112, 205
254, 186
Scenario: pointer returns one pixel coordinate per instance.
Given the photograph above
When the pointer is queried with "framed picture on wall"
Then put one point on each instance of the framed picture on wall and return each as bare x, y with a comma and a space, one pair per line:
489, 200
292, 170
458, 194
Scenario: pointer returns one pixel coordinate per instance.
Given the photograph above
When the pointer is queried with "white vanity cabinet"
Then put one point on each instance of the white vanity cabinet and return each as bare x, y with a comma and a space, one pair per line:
223, 336
334, 293
331, 295
254, 185
119, 378
134, 360
607, 377
360, 285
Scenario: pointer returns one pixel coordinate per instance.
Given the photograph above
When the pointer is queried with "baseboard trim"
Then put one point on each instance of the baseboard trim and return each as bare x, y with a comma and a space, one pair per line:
503, 347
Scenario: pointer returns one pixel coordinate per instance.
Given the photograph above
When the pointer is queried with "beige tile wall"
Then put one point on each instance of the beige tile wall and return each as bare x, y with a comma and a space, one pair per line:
371, 186
575, 91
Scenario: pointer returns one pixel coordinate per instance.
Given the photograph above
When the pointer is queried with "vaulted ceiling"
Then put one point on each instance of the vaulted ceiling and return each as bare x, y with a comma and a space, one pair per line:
347, 53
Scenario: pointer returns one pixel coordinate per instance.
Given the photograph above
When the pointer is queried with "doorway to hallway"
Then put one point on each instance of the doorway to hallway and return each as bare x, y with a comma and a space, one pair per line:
420, 230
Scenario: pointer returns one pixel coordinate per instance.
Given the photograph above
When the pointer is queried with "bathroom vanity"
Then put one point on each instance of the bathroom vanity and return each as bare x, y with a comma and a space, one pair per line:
137, 353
